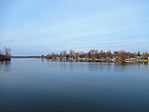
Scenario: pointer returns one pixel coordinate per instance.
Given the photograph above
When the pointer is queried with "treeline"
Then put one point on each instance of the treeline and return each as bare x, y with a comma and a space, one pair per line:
95, 56
5, 54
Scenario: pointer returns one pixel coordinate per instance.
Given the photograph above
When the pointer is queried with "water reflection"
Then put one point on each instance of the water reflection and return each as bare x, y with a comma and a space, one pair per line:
86, 66
100, 66
5, 66
92, 66
37, 85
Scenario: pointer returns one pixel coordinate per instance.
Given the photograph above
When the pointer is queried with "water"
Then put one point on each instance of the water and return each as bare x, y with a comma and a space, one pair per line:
34, 85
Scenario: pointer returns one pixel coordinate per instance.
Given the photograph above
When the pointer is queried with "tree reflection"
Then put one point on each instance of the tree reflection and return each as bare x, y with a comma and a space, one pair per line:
5, 66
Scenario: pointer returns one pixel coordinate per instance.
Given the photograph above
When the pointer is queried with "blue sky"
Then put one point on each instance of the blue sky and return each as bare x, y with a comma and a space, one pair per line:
35, 27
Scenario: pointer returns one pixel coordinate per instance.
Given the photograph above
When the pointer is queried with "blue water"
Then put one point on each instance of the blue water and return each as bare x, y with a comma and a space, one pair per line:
34, 85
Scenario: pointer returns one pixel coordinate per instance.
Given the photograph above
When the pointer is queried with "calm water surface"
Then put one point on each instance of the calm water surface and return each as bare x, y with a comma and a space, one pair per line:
33, 85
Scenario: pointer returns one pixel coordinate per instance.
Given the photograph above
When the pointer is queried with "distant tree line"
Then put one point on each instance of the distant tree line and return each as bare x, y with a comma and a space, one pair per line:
95, 56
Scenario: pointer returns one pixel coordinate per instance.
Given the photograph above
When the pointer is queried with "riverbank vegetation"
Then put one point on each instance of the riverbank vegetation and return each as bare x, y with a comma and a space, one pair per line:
5, 54
98, 56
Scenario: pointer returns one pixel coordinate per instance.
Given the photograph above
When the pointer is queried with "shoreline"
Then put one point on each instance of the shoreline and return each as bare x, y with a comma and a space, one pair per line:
4, 58
90, 61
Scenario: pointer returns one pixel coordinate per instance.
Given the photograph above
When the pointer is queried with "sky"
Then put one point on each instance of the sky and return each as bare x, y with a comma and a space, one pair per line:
36, 27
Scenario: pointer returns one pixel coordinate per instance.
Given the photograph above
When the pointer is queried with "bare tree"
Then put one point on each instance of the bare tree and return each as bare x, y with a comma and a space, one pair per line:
145, 54
71, 53
1, 52
64, 53
7, 51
